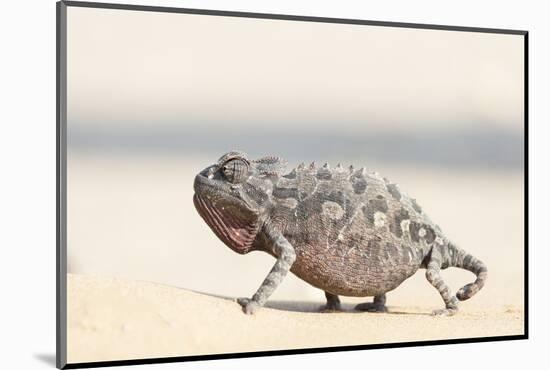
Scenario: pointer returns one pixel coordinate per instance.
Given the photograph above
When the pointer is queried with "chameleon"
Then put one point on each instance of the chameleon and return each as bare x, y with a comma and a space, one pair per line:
345, 231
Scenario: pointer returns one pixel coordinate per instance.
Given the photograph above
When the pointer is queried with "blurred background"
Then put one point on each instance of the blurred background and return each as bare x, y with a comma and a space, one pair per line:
153, 98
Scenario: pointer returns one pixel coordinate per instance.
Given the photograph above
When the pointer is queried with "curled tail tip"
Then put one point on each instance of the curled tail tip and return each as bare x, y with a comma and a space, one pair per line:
469, 290
472, 264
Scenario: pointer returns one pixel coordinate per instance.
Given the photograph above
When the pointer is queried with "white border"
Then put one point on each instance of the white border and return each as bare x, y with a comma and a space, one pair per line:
28, 186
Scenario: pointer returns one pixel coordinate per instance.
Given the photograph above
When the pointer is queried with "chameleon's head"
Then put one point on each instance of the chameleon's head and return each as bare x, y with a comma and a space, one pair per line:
233, 194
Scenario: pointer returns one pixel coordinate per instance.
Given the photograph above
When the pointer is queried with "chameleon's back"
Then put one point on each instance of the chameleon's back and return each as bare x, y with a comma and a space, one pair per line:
354, 232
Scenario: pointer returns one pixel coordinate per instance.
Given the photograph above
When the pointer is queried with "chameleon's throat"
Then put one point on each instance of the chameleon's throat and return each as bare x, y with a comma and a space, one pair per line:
237, 233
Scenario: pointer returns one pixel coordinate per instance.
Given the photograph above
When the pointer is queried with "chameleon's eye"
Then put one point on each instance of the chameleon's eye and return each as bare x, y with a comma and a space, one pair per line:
235, 170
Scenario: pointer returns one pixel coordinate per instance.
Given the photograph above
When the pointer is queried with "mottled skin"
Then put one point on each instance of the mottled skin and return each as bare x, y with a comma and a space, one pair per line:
345, 231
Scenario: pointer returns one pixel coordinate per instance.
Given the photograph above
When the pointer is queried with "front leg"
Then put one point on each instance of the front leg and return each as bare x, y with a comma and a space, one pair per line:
286, 256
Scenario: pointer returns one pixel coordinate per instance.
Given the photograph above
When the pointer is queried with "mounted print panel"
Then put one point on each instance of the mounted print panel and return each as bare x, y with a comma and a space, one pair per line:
235, 184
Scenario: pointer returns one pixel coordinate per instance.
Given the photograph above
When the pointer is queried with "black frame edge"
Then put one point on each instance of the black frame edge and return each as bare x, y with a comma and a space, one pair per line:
526, 180
61, 182
227, 13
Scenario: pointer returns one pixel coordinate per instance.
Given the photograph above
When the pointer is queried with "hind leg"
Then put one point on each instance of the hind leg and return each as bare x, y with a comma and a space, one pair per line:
434, 277
377, 305
333, 303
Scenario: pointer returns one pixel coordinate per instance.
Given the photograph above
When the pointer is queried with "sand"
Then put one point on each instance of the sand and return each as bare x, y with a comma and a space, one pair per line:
117, 319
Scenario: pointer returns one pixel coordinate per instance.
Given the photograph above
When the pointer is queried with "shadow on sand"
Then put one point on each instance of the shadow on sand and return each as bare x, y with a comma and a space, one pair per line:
315, 307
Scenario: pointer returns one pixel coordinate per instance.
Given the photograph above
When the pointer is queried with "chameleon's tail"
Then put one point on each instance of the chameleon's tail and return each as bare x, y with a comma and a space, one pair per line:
462, 259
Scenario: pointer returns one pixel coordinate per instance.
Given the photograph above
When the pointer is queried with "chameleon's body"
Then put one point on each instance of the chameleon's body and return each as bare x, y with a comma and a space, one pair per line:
345, 231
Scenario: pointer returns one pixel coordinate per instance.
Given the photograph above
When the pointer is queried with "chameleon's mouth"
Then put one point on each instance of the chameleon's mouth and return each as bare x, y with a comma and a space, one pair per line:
236, 232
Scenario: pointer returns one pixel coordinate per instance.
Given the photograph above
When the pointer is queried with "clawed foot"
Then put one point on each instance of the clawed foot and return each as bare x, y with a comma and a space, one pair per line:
249, 306
450, 309
371, 307
331, 307
445, 312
